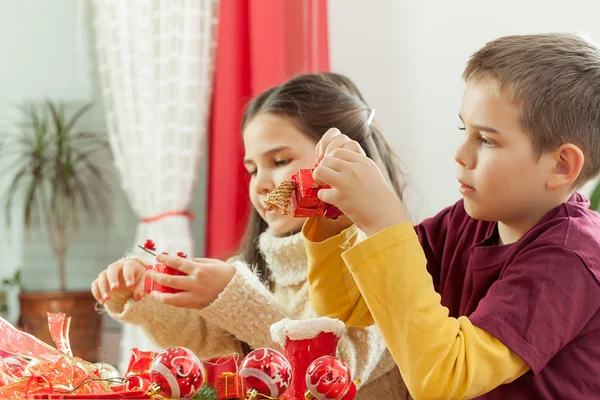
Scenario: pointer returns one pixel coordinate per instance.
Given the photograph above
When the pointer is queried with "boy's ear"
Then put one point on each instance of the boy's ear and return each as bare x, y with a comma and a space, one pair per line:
567, 162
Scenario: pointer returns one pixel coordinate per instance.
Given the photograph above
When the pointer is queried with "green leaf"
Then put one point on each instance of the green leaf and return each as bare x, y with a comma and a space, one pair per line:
12, 191
595, 198
78, 114
57, 118
206, 393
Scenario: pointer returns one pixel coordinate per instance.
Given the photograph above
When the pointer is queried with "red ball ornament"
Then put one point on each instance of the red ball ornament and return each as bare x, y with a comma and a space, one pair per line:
267, 371
328, 378
351, 393
150, 245
178, 372
181, 254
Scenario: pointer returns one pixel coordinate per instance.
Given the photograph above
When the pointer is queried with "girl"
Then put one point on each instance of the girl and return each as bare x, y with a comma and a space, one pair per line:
226, 303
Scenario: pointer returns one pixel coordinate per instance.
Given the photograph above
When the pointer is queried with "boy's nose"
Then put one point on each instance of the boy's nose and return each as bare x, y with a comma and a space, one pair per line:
462, 157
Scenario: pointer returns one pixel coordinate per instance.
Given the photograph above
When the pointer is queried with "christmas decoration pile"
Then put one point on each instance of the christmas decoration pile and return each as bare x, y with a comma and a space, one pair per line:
306, 369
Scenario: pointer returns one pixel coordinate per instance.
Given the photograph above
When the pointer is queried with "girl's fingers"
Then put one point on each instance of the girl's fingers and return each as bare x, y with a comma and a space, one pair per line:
180, 282
181, 299
113, 274
182, 264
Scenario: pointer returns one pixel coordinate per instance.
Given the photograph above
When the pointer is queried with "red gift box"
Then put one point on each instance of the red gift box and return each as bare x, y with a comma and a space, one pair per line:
305, 202
150, 285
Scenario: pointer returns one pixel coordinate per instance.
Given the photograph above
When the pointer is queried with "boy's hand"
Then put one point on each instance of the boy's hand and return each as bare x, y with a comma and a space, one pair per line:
205, 280
126, 275
358, 187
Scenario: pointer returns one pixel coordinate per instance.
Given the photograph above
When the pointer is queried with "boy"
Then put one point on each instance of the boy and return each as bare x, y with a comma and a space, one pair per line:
497, 296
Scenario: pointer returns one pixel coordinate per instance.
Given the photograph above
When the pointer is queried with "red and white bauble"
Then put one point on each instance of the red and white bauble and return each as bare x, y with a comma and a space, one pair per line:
328, 378
178, 372
267, 371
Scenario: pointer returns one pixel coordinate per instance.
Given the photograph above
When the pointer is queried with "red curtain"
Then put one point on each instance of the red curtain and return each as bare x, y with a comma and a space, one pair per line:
261, 43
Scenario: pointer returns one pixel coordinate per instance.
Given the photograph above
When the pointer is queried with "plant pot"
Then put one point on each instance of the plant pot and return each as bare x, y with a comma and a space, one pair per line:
86, 323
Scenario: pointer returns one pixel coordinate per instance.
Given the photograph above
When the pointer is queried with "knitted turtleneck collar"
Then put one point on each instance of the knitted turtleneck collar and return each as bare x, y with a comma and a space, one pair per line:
285, 257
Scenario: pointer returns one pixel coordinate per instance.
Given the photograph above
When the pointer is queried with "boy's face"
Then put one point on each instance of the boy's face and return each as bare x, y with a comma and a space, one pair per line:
500, 176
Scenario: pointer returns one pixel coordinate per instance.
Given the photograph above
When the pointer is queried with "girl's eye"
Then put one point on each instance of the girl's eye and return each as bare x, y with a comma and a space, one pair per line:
280, 163
461, 128
252, 172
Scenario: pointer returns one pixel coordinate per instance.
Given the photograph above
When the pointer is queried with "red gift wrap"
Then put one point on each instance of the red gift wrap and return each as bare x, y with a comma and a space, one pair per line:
305, 202
150, 285
230, 386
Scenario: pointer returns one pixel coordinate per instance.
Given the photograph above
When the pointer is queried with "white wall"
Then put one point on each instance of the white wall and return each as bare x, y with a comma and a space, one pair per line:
408, 55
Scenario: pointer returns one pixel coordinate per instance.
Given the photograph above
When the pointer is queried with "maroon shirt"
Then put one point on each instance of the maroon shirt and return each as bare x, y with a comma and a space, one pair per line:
539, 296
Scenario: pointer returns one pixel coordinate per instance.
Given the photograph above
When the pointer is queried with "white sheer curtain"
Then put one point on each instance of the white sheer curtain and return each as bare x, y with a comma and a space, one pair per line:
155, 59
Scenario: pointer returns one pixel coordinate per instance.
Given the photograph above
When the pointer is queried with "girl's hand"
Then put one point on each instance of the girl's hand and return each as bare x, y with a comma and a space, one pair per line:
358, 187
127, 275
206, 279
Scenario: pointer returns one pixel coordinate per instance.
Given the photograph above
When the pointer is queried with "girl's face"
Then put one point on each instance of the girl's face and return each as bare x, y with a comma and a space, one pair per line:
275, 150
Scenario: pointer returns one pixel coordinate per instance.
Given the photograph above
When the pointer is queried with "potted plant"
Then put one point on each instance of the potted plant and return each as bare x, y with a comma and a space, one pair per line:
595, 198
9, 288
57, 179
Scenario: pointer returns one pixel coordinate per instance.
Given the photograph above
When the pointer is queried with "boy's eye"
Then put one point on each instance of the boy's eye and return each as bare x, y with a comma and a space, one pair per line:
461, 128
486, 142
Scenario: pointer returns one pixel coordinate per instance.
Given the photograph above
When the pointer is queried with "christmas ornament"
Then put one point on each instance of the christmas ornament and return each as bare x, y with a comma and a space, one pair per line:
107, 371
351, 394
230, 386
150, 285
327, 378
304, 341
150, 245
178, 373
301, 191
267, 372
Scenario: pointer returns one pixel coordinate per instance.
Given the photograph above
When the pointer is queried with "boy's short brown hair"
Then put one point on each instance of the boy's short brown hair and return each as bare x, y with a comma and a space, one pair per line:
555, 79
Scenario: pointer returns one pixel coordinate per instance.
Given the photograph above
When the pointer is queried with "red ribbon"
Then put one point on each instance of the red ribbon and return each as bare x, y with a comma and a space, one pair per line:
167, 214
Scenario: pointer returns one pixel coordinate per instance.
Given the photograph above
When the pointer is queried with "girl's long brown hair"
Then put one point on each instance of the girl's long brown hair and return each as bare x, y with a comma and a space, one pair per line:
315, 103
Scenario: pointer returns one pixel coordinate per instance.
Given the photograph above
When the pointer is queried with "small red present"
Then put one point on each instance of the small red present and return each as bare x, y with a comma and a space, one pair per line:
150, 285
305, 199
302, 192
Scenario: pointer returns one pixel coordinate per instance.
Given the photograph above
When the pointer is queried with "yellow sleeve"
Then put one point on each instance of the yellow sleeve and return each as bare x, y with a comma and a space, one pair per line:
440, 357
332, 290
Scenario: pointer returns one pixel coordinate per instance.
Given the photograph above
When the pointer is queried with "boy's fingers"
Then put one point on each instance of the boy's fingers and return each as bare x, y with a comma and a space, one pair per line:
336, 143
335, 163
322, 145
354, 146
325, 175
329, 196
347, 155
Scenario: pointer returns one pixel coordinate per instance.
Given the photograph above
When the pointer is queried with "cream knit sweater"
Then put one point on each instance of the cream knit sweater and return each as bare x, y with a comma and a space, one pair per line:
245, 310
